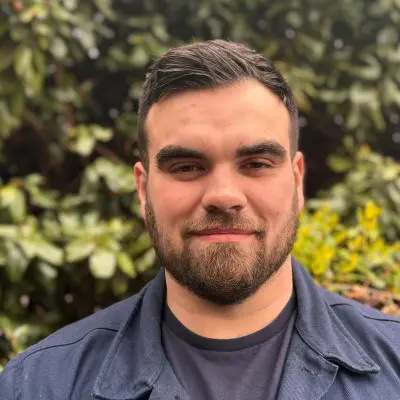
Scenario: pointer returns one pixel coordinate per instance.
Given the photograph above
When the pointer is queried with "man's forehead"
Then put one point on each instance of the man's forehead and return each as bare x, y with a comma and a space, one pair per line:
235, 114
250, 96
216, 142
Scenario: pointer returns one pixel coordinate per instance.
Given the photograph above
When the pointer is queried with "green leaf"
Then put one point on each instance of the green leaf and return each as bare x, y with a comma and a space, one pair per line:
388, 35
23, 60
312, 44
71, 201
48, 252
60, 13
146, 261
18, 208
39, 62
122, 181
47, 270
7, 195
82, 140
160, 31
139, 57
33, 180
48, 276
6, 57
69, 222
70, 5
87, 39
377, 282
126, 264
372, 71
91, 218
51, 227
28, 245
294, 18
102, 264
79, 249
17, 103
85, 145
105, 6
41, 198
37, 10
109, 242
142, 243
354, 117
17, 262
8, 121
102, 134
392, 92
339, 164
58, 48
43, 29
393, 193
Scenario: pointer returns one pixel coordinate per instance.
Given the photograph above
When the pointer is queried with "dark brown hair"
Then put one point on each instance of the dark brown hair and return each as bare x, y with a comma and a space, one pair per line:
206, 65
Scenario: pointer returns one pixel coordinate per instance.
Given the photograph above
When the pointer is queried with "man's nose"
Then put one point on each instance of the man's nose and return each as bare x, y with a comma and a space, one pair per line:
223, 194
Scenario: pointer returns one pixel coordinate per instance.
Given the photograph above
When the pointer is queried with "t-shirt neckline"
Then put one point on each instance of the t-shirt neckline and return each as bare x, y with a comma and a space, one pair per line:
256, 338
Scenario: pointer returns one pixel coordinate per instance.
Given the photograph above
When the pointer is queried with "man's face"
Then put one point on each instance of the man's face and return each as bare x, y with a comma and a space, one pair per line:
221, 196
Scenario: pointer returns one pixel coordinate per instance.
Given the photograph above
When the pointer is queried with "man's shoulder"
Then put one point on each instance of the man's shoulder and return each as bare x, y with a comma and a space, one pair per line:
68, 362
74, 353
342, 303
363, 319
100, 327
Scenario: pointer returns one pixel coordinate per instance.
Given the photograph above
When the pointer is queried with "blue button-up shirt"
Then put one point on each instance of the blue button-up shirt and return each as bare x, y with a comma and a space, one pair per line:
340, 349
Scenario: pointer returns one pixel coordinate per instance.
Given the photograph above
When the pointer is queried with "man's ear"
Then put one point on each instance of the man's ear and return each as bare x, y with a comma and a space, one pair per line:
299, 172
141, 185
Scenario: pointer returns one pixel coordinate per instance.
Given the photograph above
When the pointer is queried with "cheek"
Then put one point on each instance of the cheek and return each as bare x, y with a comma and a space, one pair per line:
273, 198
173, 202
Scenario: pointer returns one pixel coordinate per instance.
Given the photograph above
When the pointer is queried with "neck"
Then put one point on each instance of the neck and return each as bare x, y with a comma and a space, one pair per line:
227, 322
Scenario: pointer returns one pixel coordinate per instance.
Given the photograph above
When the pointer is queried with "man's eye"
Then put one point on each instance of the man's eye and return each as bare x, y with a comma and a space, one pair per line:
185, 168
257, 165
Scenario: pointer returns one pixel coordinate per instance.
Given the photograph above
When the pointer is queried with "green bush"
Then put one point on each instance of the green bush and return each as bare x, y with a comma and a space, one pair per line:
368, 177
355, 254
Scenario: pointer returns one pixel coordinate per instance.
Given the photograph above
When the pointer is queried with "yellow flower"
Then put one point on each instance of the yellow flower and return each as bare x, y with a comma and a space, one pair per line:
372, 211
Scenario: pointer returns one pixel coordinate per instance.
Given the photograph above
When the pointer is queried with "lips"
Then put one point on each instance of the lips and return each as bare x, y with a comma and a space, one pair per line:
223, 235
224, 231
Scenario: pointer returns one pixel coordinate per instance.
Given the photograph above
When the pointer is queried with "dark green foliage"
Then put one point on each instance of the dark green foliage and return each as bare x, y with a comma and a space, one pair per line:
368, 176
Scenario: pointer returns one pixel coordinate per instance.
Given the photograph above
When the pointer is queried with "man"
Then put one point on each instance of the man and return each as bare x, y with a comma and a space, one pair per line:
231, 315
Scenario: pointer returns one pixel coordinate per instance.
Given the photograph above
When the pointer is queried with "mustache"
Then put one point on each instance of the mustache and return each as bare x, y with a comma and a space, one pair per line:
223, 221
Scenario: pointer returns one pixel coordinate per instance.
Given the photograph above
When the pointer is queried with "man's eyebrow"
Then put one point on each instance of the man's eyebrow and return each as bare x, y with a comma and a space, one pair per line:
270, 147
172, 152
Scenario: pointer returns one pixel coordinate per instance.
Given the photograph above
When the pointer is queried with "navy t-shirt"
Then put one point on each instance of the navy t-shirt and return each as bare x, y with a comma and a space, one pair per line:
248, 367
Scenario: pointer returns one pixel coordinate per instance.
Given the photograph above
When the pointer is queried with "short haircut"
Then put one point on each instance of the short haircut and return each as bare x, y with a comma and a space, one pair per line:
206, 65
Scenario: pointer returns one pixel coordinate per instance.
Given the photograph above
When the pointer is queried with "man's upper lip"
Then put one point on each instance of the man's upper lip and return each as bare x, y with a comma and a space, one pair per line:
222, 231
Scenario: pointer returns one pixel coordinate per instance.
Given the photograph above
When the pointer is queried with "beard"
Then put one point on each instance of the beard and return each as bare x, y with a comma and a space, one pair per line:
224, 273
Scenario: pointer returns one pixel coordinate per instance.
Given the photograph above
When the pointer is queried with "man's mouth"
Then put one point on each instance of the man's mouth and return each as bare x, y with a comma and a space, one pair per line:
223, 235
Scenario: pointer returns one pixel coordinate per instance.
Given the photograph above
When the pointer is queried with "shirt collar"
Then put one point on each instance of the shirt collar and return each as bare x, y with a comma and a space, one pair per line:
136, 357
322, 330
136, 364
